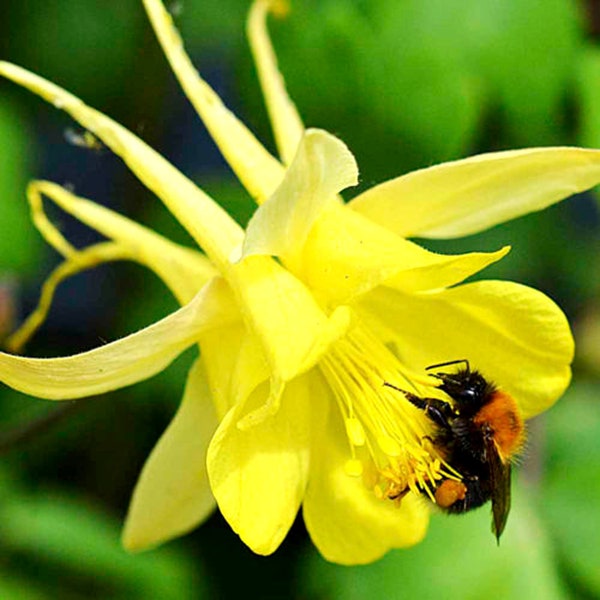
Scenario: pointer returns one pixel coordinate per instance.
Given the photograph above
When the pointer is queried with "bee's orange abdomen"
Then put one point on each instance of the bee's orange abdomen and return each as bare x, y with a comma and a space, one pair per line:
501, 414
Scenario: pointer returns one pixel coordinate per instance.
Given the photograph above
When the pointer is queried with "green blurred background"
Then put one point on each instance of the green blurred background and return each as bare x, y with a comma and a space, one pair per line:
406, 84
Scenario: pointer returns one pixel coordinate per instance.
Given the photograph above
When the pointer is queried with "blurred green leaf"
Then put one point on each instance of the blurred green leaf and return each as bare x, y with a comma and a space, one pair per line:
588, 88
424, 72
20, 244
572, 483
455, 55
214, 23
73, 536
418, 79
19, 589
458, 560
527, 50
86, 47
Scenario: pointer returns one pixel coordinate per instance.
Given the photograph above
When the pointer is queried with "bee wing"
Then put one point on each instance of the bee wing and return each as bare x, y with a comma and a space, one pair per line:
500, 483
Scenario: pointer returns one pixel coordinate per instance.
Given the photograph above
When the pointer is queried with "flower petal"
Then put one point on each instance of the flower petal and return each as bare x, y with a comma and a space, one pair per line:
322, 167
346, 521
347, 255
125, 361
183, 270
235, 365
285, 120
214, 230
513, 334
258, 475
440, 271
258, 171
466, 196
172, 495
291, 326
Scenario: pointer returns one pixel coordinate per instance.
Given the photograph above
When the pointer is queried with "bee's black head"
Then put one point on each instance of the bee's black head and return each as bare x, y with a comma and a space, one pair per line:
469, 389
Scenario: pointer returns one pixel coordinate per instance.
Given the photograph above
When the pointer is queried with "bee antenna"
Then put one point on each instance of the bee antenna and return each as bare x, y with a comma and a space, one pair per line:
450, 362
391, 385
407, 379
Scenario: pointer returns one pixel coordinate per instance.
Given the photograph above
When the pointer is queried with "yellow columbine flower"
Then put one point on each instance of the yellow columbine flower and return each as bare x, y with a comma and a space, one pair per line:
301, 318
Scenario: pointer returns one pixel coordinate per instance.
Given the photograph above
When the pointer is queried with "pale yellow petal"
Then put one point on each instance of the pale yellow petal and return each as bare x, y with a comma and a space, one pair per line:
258, 171
183, 270
285, 120
258, 475
322, 167
214, 230
172, 495
466, 196
346, 255
235, 365
515, 335
439, 271
125, 361
292, 328
346, 521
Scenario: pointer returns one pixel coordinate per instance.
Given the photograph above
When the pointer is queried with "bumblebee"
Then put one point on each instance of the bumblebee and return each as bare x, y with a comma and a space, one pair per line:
478, 433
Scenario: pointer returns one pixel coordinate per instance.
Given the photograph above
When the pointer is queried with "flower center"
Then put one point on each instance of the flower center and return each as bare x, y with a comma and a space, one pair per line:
389, 439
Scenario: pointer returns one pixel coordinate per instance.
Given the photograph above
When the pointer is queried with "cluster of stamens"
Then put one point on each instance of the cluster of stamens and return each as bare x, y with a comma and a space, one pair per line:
390, 444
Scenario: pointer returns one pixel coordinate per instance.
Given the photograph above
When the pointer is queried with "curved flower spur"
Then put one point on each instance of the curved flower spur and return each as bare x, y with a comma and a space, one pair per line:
302, 317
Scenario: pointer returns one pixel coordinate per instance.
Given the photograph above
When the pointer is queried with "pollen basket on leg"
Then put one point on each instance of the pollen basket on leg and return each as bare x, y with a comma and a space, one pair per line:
389, 441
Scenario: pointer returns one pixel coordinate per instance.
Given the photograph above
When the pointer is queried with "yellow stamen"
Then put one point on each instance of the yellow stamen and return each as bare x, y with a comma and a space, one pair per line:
355, 431
354, 467
386, 433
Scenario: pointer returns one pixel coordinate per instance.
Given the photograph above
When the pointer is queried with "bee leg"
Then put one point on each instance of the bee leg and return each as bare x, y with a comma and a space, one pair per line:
438, 411
398, 495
